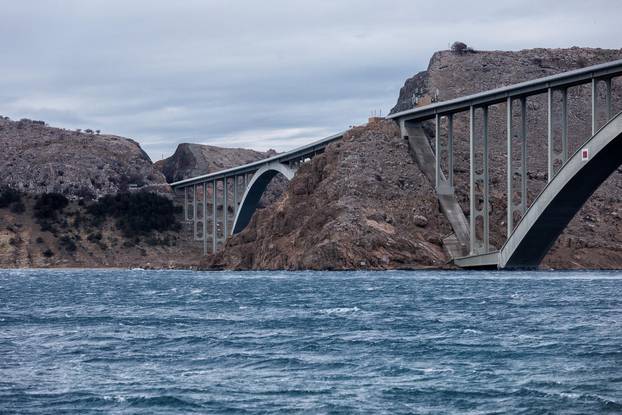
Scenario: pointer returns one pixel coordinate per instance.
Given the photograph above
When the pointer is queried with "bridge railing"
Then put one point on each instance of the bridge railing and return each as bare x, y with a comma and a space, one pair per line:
509, 95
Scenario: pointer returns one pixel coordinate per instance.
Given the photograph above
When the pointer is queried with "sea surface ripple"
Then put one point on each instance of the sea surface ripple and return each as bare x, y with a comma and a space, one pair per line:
177, 342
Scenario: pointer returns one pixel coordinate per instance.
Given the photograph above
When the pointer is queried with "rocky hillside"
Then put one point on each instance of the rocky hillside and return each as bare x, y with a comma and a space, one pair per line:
191, 160
361, 204
36, 158
49, 230
365, 203
593, 238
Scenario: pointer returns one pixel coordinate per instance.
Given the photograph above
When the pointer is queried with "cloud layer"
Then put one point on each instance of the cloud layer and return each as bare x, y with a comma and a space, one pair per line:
271, 74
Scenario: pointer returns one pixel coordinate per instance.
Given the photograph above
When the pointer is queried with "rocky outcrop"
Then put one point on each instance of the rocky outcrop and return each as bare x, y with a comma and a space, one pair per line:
362, 204
452, 74
36, 158
594, 238
191, 160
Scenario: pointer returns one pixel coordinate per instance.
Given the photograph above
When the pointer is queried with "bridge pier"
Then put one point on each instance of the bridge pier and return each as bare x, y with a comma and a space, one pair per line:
479, 246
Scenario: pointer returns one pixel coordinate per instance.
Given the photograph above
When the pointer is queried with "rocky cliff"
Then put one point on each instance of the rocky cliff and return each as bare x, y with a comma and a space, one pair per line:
362, 204
593, 238
36, 158
365, 204
191, 160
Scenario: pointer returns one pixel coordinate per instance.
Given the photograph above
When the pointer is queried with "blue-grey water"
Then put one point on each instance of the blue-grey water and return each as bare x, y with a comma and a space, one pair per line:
176, 342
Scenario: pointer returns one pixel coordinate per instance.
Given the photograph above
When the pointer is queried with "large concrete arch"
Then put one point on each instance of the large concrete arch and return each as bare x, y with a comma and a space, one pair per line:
255, 190
562, 198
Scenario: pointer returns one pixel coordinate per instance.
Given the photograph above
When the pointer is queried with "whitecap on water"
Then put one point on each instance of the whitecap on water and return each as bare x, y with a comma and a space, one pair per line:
340, 310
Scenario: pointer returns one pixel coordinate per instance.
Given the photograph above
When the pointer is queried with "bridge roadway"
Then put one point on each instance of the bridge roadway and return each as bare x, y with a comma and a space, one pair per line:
528, 240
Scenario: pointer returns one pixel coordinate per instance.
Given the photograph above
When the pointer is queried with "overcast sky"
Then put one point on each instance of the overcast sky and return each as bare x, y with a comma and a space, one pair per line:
257, 74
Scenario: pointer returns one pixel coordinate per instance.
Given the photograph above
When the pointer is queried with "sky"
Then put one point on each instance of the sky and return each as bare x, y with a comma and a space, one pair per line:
254, 74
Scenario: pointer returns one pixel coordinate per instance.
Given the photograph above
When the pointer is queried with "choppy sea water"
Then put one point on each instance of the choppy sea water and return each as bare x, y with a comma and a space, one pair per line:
171, 342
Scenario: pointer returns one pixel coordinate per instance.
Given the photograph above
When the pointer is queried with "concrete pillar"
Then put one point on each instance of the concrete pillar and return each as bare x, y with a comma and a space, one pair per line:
186, 204
608, 99
473, 213
510, 175
486, 184
214, 227
438, 152
594, 91
565, 125
225, 206
235, 195
450, 150
550, 148
204, 218
523, 197
194, 211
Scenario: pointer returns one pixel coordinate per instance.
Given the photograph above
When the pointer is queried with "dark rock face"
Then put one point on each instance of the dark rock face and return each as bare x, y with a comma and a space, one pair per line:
352, 207
596, 243
191, 160
36, 158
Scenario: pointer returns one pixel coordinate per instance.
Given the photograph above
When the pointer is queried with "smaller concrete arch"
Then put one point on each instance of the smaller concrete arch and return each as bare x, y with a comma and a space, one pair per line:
254, 191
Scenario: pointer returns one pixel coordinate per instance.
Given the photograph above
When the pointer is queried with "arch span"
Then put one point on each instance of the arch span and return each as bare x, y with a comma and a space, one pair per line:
562, 198
255, 190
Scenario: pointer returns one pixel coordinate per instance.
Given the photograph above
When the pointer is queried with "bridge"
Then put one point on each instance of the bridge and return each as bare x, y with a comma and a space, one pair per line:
236, 192
531, 229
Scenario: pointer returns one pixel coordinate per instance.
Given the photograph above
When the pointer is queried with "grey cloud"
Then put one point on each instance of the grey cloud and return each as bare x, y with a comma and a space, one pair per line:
257, 74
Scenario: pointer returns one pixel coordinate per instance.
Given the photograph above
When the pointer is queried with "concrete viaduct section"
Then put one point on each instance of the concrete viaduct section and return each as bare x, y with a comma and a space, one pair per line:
222, 203
524, 247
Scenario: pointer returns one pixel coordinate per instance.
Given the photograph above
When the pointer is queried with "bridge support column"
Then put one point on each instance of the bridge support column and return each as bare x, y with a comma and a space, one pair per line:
479, 246
521, 205
594, 97
450, 150
214, 227
186, 204
550, 158
510, 170
564, 125
194, 212
608, 99
437, 149
235, 195
225, 208
204, 218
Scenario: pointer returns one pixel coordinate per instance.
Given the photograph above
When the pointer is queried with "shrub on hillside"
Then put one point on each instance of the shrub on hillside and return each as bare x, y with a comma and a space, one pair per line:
8, 196
137, 213
18, 207
48, 204
68, 243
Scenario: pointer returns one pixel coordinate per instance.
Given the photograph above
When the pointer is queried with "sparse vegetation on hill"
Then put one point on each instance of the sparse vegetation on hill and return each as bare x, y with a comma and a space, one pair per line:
137, 213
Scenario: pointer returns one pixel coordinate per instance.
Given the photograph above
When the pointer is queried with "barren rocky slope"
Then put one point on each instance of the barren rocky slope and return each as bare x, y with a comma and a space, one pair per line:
363, 203
191, 160
594, 237
36, 158
75, 238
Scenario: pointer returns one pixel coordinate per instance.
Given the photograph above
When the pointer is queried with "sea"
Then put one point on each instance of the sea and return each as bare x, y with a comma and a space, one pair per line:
427, 342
